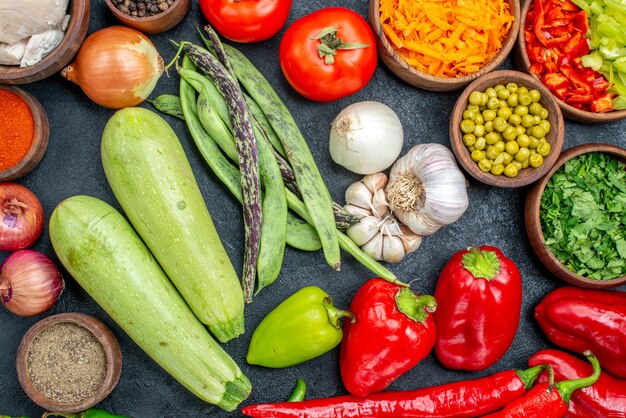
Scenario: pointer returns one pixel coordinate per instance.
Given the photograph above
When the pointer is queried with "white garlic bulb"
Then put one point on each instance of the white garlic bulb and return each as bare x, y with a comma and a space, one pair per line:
378, 233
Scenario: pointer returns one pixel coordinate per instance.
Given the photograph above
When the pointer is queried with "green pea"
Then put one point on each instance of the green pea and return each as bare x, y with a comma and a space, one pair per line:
489, 114
469, 139
536, 120
484, 98
515, 119
535, 95
506, 158
537, 131
522, 89
467, 126
520, 110
471, 149
491, 138
479, 130
544, 114
525, 163
524, 99
473, 108
502, 103
535, 109
517, 164
511, 170
505, 112
497, 169
512, 101
469, 114
492, 152
503, 93
499, 158
535, 160
499, 124
543, 148
511, 147
478, 119
475, 98
500, 146
522, 155
493, 103
480, 143
491, 92
510, 133
527, 121
533, 142
477, 155
488, 126
520, 130
523, 140
512, 87
499, 87
484, 165
546, 126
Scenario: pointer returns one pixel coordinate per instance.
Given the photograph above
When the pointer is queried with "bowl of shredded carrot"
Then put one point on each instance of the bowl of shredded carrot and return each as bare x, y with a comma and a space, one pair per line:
443, 46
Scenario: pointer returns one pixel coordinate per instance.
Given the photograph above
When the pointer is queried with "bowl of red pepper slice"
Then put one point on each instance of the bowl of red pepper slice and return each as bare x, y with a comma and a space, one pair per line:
551, 44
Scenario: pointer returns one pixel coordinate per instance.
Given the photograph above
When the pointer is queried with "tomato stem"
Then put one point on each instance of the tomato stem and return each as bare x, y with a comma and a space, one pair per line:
330, 44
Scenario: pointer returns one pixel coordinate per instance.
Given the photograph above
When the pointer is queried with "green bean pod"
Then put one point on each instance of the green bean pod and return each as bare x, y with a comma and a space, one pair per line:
90, 413
259, 116
168, 104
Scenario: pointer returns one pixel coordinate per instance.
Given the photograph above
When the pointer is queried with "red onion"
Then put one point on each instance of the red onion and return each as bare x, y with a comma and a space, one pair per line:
30, 283
21, 217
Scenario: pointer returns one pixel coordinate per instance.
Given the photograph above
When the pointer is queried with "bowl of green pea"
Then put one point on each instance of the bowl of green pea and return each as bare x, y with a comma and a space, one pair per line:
506, 129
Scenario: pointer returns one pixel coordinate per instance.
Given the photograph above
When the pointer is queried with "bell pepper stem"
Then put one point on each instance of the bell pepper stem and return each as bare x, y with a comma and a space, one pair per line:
298, 392
415, 307
567, 387
529, 376
334, 314
482, 264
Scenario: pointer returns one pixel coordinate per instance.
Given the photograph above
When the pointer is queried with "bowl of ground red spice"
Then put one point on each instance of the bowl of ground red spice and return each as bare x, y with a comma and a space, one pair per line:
68, 362
149, 16
443, 46
24, 132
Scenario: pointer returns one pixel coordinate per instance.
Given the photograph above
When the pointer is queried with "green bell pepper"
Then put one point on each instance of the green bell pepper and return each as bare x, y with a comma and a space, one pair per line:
304, 326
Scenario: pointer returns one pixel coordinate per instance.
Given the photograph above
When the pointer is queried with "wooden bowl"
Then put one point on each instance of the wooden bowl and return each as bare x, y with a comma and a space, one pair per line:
60, 56
555, 137
153, 24
533, 224
40, 139
425, 81
101, 332
522, 62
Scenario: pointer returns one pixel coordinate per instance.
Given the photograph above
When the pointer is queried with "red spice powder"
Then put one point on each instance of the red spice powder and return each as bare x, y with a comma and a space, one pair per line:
17, 129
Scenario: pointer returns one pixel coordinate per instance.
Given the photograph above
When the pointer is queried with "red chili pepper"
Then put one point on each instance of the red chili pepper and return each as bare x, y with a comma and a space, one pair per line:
480, 297
605, 398
581, 319
391, 332
547, 400
469, 398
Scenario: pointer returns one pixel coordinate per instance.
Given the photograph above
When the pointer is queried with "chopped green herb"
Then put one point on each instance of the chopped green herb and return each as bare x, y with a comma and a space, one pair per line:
583, 216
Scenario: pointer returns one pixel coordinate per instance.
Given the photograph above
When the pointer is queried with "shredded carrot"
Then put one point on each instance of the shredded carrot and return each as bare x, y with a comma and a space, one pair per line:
446, 38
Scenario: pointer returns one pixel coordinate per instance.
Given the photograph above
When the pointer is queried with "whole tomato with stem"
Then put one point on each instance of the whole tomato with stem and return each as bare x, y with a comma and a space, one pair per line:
328, 54
246, 21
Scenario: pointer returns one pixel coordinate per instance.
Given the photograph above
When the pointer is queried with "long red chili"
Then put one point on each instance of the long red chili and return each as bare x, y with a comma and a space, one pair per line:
547, 400
468, 398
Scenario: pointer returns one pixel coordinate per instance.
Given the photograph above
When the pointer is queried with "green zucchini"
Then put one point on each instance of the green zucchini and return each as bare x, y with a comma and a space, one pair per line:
100, 249
153, 182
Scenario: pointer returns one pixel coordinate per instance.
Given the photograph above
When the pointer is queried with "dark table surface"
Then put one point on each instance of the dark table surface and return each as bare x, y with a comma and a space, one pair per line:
72, 166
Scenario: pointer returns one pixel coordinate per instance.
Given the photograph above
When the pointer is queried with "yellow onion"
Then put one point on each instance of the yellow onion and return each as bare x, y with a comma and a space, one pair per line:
116, 67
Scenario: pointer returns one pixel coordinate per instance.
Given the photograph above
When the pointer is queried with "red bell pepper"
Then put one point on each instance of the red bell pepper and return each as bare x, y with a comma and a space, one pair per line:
392, 330
480, 297
605, 398
547, 400
471, 398
581, 319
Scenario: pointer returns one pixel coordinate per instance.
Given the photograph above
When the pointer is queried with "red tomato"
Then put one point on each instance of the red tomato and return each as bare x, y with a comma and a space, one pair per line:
246, 20
311, 75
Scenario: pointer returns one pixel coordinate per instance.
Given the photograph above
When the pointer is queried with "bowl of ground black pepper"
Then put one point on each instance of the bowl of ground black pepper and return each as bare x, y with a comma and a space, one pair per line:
68, 362
149, 16
24, 132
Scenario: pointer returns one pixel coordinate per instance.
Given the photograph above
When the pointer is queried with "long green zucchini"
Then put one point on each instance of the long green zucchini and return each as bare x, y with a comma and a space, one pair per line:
103, 253
153, 182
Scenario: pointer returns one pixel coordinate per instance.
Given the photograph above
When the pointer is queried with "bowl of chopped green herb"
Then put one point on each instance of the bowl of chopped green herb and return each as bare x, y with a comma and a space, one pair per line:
576, 216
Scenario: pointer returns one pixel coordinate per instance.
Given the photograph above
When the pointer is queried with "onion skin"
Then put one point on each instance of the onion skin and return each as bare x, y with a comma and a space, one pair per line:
116, 67
30, 283
21, 217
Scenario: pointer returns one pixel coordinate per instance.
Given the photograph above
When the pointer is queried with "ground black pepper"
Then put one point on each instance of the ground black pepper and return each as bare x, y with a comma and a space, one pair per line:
66, 363
142, 8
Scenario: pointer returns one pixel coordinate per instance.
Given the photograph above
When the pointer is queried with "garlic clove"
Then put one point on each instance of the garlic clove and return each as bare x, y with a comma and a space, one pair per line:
380, 207
393, 249
357, 211
375, 181
364, 231
410, 240
374, 247
359, 195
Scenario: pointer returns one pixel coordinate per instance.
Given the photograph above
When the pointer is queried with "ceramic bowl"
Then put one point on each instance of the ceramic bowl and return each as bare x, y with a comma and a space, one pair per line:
555, 137
40, 139
101, 332
523, 63
533, 224
153, 24
425, 81
60, 56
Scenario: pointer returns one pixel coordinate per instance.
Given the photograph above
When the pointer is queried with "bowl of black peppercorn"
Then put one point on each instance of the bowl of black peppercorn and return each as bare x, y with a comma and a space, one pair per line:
149, 16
